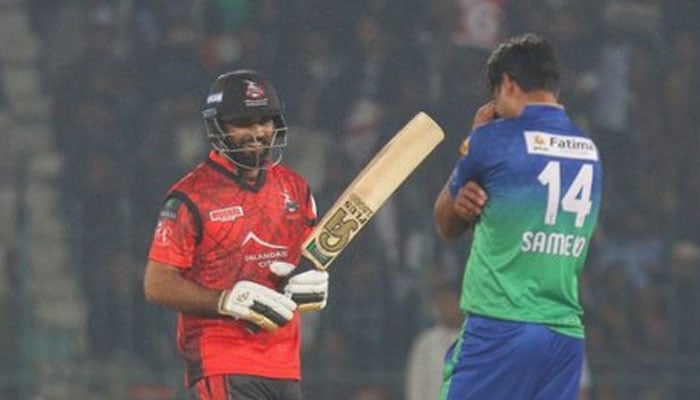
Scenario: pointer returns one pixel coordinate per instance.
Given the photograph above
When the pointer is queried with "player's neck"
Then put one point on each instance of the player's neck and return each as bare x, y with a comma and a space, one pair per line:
540, 97
249, 175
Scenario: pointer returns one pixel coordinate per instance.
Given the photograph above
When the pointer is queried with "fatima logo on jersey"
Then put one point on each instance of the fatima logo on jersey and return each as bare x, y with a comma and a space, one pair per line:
564, 146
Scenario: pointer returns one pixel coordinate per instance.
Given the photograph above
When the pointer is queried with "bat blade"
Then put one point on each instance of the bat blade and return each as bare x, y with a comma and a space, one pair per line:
389, 168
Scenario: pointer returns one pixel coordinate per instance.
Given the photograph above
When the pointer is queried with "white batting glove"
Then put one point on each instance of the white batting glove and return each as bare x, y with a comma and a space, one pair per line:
258, 304
309, 289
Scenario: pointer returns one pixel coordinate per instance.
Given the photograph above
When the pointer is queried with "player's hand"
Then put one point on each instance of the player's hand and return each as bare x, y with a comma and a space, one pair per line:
308, 289
485, 114
469, 202
264, 307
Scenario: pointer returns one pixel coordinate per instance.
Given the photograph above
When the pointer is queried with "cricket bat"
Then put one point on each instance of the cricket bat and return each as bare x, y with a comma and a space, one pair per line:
367, 192
371, 188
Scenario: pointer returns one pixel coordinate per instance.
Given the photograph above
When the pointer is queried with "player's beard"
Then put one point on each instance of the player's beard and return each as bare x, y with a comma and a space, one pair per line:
249, 156
250, 159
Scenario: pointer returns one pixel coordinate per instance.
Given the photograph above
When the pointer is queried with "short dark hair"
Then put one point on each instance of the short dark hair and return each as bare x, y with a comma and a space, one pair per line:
528, 59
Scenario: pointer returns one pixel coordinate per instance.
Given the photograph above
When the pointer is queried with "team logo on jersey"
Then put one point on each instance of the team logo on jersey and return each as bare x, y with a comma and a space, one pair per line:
564, 146
251, 237
226, 214
289, 204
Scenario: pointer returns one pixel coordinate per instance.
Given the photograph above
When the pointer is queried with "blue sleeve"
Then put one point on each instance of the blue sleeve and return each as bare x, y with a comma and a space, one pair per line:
469, 166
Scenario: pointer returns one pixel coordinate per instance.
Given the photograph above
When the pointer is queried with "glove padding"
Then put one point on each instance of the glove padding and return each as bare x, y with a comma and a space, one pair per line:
258, 304
309, 289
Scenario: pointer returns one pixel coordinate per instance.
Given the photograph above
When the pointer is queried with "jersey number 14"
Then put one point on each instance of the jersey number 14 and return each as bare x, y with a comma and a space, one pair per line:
577, 198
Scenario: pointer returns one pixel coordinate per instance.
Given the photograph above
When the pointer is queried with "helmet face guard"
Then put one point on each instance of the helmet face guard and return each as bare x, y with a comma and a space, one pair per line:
268, 154
244, 95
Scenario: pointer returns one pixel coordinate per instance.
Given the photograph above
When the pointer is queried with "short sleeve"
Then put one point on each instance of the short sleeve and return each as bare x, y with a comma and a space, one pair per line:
175, 235
310, 213
468, 166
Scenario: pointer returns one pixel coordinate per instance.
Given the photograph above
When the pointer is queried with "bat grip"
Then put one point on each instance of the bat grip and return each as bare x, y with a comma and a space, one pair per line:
303, 266
252, 328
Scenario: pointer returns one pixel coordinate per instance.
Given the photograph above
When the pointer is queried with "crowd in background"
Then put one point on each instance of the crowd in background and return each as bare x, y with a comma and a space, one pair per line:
128, 79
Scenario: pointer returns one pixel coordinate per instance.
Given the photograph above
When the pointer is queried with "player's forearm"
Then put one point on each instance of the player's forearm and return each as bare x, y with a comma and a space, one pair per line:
164, 286
452, 228
449, 224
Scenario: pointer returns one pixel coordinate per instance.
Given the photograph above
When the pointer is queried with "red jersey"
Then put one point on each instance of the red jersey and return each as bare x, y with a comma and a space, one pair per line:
220, 230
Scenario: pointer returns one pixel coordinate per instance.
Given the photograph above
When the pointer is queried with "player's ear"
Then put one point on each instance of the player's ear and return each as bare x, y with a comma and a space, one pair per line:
508, 84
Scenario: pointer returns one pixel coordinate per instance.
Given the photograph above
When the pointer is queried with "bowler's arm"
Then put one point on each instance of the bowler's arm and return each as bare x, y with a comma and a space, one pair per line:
455, 215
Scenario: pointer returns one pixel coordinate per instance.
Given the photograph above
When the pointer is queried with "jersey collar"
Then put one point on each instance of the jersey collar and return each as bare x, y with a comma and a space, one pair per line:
537, 108
222, 165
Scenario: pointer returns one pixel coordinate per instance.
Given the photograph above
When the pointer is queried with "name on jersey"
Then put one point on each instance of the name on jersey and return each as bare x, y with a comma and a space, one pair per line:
553, 243
261, 252
548, 144
264, 259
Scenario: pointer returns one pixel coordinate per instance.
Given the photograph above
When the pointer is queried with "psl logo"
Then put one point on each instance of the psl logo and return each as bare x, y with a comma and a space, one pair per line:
163, 233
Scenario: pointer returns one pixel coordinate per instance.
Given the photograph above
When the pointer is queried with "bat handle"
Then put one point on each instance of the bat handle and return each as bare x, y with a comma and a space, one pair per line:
252, 328
303, 266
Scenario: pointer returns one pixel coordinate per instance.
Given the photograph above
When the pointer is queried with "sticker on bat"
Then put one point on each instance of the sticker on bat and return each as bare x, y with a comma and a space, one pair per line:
343, 224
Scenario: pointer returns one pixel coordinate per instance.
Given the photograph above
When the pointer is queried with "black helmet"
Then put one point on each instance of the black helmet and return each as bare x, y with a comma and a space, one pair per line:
241, 95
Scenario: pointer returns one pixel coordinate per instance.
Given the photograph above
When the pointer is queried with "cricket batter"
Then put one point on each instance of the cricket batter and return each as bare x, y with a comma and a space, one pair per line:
229, 235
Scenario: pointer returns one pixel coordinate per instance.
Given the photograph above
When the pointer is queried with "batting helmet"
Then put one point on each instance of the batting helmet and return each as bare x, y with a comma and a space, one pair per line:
238, 96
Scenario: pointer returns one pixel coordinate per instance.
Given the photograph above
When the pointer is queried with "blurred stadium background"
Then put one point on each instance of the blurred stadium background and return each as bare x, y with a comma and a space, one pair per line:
99, 113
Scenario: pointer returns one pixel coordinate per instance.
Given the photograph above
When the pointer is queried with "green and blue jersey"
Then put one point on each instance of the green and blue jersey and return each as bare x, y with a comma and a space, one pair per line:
543, 178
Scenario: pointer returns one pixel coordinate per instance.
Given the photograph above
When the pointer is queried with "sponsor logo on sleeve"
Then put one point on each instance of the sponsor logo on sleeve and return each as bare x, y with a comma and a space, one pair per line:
169, 209
464, 147
162, 234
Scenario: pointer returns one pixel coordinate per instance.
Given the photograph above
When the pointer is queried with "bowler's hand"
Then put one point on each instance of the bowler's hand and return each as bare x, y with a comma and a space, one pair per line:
484, 115
469, 202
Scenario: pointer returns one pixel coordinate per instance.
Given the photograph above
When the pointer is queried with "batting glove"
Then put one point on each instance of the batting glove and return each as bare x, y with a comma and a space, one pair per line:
258, 304
308, 289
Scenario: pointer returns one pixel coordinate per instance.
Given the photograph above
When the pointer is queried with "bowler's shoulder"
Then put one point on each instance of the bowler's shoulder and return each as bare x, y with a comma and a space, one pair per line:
496, 131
